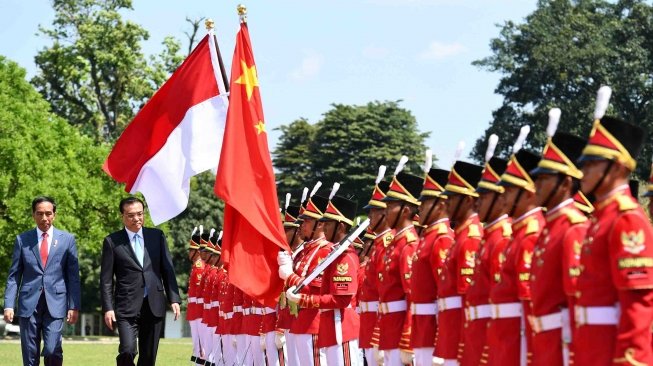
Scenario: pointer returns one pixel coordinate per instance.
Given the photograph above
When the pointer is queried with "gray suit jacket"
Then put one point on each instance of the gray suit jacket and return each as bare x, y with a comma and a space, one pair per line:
59, 280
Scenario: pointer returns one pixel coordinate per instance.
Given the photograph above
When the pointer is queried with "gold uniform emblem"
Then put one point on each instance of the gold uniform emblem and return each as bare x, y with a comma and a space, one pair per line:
502, 258
342, 268
528, 258
387, 240
470, 258
443, 254
633, 242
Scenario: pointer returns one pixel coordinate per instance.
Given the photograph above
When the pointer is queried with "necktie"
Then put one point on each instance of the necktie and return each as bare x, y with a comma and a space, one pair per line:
138, 248
44, 249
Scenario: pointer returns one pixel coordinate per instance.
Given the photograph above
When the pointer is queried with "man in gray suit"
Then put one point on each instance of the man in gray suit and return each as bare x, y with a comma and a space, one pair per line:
44, 273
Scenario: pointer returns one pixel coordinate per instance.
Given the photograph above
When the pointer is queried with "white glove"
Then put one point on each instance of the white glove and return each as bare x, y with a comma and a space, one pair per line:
285, 270
291, 296
279, 340
284, 258
378, 356
262, 342
437, 361
406, 357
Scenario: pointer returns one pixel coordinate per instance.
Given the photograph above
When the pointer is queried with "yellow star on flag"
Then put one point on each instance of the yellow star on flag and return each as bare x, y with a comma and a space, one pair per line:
248, 78
260, 127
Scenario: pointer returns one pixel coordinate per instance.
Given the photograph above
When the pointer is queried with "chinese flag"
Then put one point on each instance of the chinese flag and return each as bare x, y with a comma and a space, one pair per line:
253, 233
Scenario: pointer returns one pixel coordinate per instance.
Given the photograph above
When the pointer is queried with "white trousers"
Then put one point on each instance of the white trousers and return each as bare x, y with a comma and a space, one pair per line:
275, 356
195, 336
392, 357
241, 348
423, 356
307, 352
345, 354
369, 356
205, 341
450, 362
216, 355
229, 350
291, 350
253, 352
208, 342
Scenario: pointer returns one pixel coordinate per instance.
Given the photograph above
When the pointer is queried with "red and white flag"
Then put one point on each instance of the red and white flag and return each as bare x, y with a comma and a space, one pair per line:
177, 134
253, 234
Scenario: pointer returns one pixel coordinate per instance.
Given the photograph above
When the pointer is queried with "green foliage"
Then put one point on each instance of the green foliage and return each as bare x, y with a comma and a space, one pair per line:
347, 145
40, 154
560, 56
95, 74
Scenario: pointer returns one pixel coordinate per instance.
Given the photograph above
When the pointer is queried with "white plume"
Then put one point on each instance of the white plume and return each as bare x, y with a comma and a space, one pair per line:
401, 164
304, 195
334, 190
358, 221
428, 162
194, 231
554, 119
492, 142
523, 133
201, 230
211, 233
317, 186
602, 101
287, 201
458, 152
220, 235
381, 174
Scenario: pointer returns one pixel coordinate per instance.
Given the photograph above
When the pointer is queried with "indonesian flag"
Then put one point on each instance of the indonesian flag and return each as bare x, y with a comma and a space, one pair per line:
253, 234
177, 134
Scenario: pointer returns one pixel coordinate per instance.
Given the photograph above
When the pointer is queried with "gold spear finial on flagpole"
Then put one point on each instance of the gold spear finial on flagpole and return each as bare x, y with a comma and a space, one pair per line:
210, 24
242, 13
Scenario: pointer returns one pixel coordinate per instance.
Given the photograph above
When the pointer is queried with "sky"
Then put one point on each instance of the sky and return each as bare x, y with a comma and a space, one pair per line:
311, 54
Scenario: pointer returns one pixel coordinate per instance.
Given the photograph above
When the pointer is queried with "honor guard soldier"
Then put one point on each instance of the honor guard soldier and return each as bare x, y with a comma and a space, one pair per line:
394, 268
224, 325
368, 297
240, 340
496, 233
339, 322
614, 304
305, 327
211, 306
202, 329
509, 333
193, 313
555, 265
459, 265
427, 262
216, 297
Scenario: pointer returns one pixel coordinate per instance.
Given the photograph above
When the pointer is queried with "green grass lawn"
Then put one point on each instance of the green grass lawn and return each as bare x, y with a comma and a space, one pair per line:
100, 352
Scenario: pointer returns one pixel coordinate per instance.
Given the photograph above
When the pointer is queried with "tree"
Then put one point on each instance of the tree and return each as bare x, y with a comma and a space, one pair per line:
40, 154
347, 145
560, 56
95, 74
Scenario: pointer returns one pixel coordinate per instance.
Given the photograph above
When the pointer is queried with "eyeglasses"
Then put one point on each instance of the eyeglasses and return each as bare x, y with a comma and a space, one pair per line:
134, 215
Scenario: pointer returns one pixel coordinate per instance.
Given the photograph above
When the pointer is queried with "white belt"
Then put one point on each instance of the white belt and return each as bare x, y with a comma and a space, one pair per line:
268, 310
478, 312
200, 300
545, 322
247, 311
238, 309
228, 315
596, 315
429, 308
215, 303
221, 313
506, 310
368, 306
392, 306
207, 306
192, 300
449, 303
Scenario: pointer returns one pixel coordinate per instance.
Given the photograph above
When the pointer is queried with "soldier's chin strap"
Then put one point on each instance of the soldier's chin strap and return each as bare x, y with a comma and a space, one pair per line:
427, 219
605, 173
313, 231
294, 235
489, 210
553, 191
514, 204
455, 212
335, 231
401, 208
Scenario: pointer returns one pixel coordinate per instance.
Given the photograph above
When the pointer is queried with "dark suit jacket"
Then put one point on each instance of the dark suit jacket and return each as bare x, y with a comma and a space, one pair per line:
59, 280
122, 279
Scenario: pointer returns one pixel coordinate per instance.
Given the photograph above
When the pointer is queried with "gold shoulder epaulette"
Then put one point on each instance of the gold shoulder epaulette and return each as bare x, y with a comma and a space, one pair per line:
626, 203
474, 231
410, 237
387, 239
575, 217
442, 229
507, 230
533, 226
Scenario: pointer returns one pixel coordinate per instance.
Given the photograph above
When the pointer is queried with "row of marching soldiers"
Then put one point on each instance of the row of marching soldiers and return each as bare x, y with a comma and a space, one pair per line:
503, 264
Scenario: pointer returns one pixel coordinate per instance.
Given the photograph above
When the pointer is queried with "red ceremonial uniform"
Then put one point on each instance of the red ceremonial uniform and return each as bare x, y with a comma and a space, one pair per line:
393, 271
339, 321
427, 264
478, 311
552, 278
226, 305
308, 319
207, 290
614, 305
237, 320
368, 293
504, 340
194, 281
216, 296
201, 291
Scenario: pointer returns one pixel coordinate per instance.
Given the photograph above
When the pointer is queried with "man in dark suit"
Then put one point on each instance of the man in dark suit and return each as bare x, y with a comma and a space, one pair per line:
44, 273
136, 268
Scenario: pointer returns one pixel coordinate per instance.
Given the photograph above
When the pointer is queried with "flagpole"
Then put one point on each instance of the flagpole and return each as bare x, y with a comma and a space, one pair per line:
209, 23
242, 13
